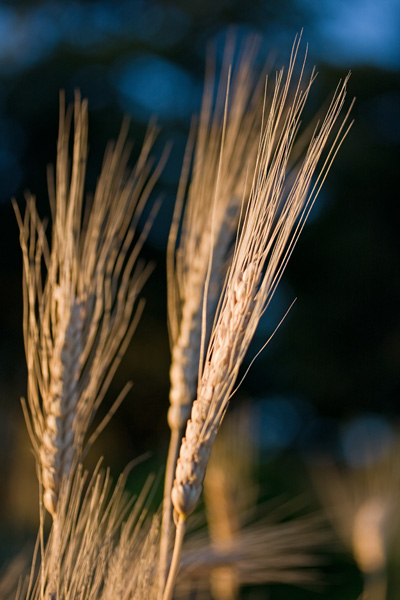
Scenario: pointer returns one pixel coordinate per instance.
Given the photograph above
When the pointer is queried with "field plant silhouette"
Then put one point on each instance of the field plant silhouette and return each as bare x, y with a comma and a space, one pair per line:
251, 175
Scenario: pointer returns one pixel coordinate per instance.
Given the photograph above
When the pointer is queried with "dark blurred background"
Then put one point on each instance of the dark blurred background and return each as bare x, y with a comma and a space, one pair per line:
330, 377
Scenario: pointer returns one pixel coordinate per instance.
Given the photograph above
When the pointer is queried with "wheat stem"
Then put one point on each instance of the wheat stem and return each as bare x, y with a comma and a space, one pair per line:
176, 555
166, 526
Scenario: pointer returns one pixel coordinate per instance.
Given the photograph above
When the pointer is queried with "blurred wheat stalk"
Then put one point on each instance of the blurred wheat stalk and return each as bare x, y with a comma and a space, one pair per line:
362, 504
252, 186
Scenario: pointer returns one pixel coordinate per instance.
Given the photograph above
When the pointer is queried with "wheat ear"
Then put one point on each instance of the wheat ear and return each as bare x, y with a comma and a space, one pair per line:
225, 149
79, 320
272, 224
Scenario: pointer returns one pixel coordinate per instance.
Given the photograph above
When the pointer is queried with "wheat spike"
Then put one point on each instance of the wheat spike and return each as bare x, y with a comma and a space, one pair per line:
57, 450
79, 320
225, 150
272, 224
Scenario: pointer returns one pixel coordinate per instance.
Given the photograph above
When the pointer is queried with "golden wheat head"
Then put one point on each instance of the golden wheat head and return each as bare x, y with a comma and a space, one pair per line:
80, 317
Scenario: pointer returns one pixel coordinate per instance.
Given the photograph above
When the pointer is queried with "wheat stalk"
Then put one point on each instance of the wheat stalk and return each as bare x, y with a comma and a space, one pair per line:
225, 150
272, 224
78, 322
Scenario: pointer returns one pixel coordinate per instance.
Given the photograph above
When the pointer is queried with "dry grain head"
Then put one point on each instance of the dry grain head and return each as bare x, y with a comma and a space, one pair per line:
273, 220
79, 319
